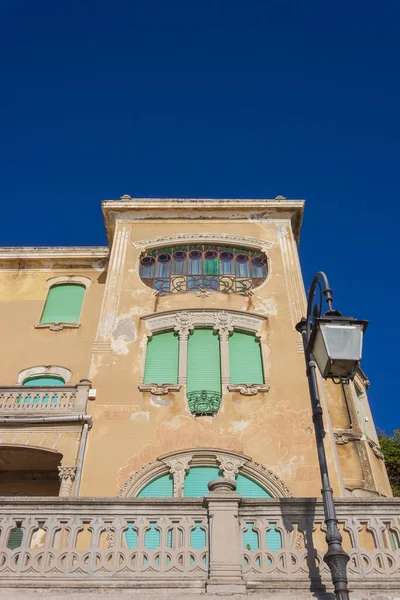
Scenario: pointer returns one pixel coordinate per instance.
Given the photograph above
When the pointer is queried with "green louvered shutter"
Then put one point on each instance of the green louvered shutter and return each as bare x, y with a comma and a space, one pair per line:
196, 481
63, 304
162, 358
204, 362
49, 381
162, 487
245, 358
250, 489
273, 538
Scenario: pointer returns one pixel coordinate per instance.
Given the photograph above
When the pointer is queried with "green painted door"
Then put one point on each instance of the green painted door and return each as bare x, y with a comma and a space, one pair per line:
63, 304
204, 362
162, 358
245, 358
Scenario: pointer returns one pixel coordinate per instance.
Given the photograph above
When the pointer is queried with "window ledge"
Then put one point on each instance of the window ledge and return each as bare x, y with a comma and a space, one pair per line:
249, 389
57, 326
159, 389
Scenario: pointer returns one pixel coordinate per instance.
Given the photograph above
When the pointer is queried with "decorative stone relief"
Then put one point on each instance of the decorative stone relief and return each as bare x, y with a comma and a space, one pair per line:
67, 477
159, 389
43, 370
57, 326
223, 323
346, 436
193, 238
247, 389
184, 323
178, 467
375, 449
230, 465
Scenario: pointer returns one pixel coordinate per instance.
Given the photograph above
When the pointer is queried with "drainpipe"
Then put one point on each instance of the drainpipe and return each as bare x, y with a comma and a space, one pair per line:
81, 454
38, 420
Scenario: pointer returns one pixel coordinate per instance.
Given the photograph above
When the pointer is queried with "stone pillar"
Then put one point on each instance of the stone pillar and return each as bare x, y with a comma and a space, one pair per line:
82, 391
183, 326
67, 478
224, 327
178, 467
226, 575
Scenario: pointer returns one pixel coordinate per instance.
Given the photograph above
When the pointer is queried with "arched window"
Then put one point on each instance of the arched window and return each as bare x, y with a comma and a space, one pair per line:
188, 268
43, 381
162, 358
63, 303
161, 487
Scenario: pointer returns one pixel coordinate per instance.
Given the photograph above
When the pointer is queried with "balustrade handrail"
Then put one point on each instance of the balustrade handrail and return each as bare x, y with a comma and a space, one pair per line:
23, 400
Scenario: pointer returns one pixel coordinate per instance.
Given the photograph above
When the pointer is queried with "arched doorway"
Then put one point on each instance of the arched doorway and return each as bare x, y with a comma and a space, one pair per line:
29, 471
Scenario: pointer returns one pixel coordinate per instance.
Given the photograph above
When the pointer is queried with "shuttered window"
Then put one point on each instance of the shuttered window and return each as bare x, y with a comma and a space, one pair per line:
196, 481
162, 487
63, 304
204, 363
245, 358
248, 488
50, 381
15, 539
162, 358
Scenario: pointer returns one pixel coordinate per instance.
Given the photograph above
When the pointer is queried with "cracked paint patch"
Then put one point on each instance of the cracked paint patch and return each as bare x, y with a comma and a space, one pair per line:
140, 416
159, 401
123, 334
239, 426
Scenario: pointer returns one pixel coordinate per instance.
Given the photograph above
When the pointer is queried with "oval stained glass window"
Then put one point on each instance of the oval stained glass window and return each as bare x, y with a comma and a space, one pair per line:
164, 258
185, 268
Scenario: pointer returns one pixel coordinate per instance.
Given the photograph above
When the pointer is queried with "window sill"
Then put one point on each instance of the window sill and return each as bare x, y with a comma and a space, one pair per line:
159, 389
249, 389
57, 326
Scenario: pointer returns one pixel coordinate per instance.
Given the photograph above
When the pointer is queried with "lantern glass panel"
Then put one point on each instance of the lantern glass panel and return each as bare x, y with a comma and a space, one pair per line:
337, 348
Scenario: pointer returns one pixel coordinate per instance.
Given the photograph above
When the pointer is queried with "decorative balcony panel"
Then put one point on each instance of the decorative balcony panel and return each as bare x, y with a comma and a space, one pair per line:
167, 543
22, 401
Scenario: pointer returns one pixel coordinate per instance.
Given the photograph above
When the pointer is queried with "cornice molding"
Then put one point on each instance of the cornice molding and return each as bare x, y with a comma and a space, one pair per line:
257, 210
54, 257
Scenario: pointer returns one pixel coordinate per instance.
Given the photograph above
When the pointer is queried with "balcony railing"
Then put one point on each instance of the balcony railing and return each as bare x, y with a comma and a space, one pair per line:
40, 401
195, 543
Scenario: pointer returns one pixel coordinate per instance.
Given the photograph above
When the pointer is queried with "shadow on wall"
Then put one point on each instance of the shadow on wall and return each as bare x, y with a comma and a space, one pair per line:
29, 471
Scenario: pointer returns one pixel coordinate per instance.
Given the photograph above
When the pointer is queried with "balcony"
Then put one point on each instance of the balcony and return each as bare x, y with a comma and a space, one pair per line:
19, 401
195, 544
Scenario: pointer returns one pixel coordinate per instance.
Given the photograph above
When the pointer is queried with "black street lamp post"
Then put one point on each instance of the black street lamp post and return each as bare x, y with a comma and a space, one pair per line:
333, 343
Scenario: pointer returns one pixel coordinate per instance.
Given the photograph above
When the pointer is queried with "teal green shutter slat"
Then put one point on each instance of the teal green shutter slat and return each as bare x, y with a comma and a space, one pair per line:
63, 304
162, 358
273, 538
131, 537
152, 537
204, 362
197, 537
196, 481
46, 381
250, 538
162, 487
15, 538
245, 358
248, 488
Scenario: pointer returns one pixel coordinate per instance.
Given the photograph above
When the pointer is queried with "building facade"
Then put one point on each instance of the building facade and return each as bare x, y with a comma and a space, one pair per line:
168, 359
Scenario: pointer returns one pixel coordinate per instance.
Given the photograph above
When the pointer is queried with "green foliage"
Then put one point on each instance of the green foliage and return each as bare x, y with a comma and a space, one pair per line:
390, 446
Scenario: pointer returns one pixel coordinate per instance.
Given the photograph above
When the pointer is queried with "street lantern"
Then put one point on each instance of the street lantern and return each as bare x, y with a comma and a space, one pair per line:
336, 345
333, 344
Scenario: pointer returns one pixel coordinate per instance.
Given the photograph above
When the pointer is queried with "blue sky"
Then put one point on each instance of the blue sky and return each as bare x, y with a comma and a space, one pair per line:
214, 98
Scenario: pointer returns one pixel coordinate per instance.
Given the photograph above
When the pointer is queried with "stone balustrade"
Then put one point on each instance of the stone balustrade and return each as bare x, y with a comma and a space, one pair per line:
19, 401
219, 544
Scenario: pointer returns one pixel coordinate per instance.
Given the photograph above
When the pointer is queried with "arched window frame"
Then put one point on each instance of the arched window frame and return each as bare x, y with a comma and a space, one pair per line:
44, 371
63, 280
235, 241
230, 464
223, 322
